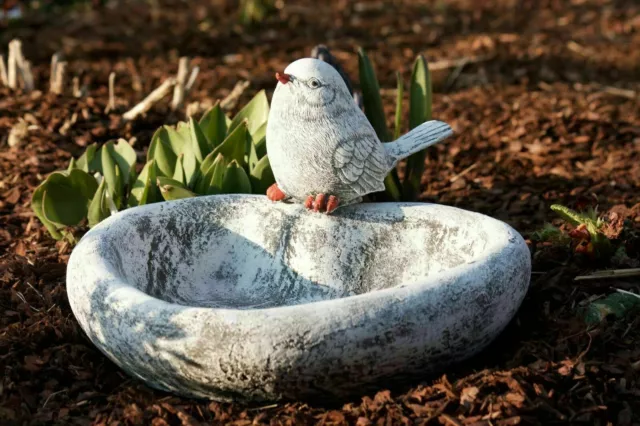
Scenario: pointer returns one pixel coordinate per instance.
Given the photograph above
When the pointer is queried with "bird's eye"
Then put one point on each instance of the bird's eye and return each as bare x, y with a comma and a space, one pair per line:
314, 84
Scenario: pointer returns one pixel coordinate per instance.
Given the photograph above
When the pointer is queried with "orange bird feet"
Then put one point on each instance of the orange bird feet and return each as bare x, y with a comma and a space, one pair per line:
274, 193
322, 203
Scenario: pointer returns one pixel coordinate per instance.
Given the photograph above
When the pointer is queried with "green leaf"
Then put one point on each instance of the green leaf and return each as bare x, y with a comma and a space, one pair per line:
124, 156
392, 185
182, 143
399, 95
259, 140
256, 112
235, 180
178, 173
199, 142
218, 170
162, 152
37, 207
208, 162
179, 137
171, 189
112, 173
88, 161
617, 304
371, 96
571, 216
72, 164
83, 183
234, 145
98, 209
65, 197
62, 203
601, 244
191, 168
262, 176
550, 233
419, 112
202, 185
420, 93
252, 157
214, 125
144, 189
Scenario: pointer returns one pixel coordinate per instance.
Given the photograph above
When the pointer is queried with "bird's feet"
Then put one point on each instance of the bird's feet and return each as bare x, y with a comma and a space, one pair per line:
274, 193
322, 203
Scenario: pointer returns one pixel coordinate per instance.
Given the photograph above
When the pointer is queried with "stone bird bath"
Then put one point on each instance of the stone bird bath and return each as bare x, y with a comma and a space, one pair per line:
232, 297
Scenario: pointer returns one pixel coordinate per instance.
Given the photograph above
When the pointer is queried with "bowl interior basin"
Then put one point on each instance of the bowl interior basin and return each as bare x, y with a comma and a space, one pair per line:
244, 252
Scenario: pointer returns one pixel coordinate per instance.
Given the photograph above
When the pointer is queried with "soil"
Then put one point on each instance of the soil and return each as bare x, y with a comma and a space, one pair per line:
543, 97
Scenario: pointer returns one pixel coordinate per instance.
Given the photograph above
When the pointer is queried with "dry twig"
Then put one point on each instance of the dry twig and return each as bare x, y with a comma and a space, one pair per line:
27, 76
61, 69
3, 72
55, 58
18, 133
155, 96
614, 273
181, 79
112, 93
12, 64
192, 79
232, 98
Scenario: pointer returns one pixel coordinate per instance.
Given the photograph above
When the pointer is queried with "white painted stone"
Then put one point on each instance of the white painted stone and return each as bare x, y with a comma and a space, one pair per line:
232, 297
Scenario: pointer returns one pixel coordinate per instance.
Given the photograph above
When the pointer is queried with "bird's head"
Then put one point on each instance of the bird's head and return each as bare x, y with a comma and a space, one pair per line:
311, 84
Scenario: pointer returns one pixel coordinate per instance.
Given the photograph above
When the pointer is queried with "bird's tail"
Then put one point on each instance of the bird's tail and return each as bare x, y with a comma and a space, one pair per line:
421, 137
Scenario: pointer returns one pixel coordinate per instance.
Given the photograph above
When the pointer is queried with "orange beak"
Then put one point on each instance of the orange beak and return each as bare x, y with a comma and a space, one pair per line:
283, 78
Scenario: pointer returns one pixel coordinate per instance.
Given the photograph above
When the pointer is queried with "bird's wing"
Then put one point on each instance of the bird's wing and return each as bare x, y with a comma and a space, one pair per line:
361, 163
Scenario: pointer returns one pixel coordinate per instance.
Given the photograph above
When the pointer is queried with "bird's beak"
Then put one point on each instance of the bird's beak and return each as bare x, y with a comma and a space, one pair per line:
283, 78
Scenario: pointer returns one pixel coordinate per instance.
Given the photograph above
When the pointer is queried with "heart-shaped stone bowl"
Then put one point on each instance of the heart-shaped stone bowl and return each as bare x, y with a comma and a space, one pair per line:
233, 297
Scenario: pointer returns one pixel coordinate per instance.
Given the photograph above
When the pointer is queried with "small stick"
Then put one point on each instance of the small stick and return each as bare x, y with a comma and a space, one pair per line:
455, 74
619, 290
55, 58
455, 63
61, 68
23, 66
579, 49
192, 109
615, 273
112, 95
232, 98
624, 93
12, 64
178, 90
27, 76
76, 87
192, 79
18, 133
136, 82
159, 93
3, 72
464, 172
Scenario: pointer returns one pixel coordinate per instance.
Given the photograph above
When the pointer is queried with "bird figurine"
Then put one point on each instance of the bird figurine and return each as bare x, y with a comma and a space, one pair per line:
323, 151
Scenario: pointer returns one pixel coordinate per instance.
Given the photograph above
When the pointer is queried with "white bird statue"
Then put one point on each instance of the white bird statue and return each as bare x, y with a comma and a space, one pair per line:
322, 149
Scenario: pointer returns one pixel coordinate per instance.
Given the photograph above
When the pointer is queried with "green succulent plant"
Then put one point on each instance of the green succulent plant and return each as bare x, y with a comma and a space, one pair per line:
590, 223
215, 155
255, 11
420, 96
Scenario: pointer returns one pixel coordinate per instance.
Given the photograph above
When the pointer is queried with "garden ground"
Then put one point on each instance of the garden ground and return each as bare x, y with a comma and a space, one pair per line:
544, 100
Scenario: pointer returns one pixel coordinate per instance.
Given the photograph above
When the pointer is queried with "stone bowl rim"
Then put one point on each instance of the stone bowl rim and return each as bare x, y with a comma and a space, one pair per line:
114, 281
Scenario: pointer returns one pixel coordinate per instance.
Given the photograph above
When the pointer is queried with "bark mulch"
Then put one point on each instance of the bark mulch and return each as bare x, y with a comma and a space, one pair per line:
543, 98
